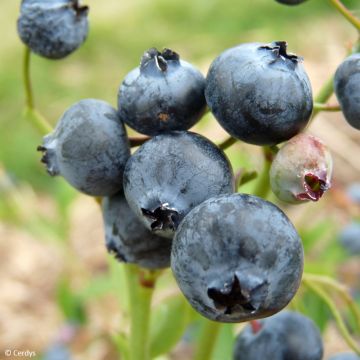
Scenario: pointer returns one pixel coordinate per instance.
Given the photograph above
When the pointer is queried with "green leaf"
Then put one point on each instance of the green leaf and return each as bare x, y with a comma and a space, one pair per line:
168, 323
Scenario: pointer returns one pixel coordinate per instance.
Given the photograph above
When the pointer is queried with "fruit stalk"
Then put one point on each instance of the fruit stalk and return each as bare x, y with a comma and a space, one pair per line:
346, 13
37, 120
263, 185
140, 295
207, 340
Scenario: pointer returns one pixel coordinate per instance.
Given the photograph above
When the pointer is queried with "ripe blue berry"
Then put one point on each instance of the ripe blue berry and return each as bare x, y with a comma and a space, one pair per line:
301, 170
89, 148
347, 89
53, 28
284, 336
129, 240
172, 173
164, 93
259, 93
350, 238
290, 2
236, 258
345, 356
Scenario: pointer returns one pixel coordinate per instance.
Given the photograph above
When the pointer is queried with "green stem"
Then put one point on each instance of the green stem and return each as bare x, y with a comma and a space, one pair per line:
29, 99
36, 119
140, 295
337, 316
207, 340
263, 184
324, 95
326, 107
339, 6
341, 289
227, 143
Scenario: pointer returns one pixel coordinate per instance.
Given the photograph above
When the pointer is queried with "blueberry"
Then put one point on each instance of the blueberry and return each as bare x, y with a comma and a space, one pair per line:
284, 336
345, 356
347, 89
353, 192
163, 94
89, 148
237, 257
172, 173
259, 93
53, 28
290, 2
301, 170
129, 240
349, 238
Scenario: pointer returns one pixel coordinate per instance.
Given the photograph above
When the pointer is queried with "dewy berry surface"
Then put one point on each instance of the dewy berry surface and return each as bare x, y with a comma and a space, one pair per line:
237, 257
301, 171
285, 336
88, 147
129, 240
347, 89
164, 93
53, 28
172, 173
259, 93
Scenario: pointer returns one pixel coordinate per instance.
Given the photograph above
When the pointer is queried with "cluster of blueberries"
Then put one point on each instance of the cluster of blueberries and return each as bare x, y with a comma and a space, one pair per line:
173, 202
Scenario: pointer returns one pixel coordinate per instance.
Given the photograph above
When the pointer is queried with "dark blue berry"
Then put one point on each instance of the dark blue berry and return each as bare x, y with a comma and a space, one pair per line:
53, 28
290, 2
350, 238
347, 89
129, 240
284, 336
172, 173
89, 148
259, 93
164, 93
236, 258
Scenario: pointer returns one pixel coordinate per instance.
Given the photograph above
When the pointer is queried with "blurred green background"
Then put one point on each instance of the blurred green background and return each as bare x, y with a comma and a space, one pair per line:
49, 211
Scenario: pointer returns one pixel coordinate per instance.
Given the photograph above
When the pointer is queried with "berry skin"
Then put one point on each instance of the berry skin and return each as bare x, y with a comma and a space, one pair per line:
53, 28
164, 93
129, 240
259, 93
345, 356
347, 89
301, 170
350, 238
89, 148
284, 336
172, 173
237, 258
290, 2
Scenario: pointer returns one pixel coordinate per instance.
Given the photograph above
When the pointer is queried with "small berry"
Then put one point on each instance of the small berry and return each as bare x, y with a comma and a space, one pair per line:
53, 28
172, 173
259, 93
284, 336
349, 238
301, 170
237, 258
290, 2
164, 93
129, 240
347, 89
89, 148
